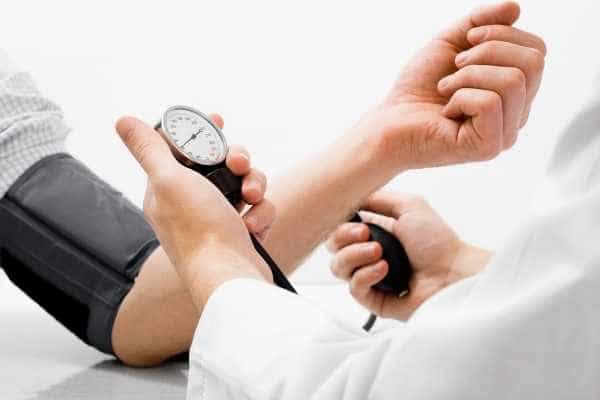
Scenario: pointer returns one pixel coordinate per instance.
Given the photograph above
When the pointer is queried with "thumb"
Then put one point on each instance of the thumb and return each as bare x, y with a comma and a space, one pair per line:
384, 203
504, 13
145, 144
369, 217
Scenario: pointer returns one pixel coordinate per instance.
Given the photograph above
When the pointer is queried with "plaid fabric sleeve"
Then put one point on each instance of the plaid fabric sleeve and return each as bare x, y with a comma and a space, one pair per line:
31, 126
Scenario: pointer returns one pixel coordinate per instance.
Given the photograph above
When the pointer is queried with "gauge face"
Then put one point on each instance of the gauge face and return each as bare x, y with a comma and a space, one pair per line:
194, 136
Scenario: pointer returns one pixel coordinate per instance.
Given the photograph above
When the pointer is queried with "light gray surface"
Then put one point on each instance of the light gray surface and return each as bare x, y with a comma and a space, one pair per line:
42, 360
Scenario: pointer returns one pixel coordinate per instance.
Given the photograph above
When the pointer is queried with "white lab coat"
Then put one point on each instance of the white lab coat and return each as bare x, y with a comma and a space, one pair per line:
528, 327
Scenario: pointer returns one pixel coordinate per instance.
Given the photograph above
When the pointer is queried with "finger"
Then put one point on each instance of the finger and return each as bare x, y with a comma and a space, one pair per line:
508, 82
217, 120
384, 203
386, 223
480, 136
238, 160
145, 144
505, 13
390, 204
505, 33
346, 234
348, 259
504, 54
254, 186
259, 218
363, 280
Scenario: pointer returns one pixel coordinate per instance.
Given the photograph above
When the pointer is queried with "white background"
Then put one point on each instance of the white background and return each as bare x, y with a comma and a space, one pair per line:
288, 77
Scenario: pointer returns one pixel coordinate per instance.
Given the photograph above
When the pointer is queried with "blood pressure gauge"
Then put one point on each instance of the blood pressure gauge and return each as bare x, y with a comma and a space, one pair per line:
199, 144
193, 137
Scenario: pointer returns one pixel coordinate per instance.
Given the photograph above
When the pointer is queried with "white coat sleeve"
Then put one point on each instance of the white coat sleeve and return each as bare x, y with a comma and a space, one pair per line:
257, 341
528, 327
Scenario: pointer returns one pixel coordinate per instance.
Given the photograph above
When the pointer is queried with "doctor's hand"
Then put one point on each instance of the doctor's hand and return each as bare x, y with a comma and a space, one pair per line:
258, 219
437, 256
203, 235
464, 97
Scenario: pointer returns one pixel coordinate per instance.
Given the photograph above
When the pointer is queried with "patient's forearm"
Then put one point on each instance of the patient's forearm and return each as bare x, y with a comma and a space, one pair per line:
322, 192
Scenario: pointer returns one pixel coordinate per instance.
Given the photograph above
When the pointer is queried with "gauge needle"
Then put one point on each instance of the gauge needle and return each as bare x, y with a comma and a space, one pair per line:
194, 136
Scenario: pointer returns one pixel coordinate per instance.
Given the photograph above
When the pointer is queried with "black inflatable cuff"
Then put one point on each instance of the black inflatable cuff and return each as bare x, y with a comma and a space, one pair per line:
73, 244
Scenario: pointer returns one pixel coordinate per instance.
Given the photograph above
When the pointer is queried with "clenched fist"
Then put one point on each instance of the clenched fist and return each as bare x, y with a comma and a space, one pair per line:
464, 97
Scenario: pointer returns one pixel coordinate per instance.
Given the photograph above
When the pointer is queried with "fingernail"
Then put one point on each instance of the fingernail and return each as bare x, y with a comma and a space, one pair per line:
477, 35
444, 83
461, 59
244, 156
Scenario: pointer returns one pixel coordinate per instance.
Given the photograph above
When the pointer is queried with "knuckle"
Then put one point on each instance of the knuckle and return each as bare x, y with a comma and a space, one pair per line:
540, 44
354, 288
543, 46
535, 59
491, 32
491, 102
488, 50
515, 78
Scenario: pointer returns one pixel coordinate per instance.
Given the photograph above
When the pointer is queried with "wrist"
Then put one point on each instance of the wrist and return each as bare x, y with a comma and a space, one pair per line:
381, 135
214, 264
469, 260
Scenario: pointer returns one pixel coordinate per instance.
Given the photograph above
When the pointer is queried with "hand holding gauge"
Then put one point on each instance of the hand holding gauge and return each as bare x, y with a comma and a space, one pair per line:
199, 144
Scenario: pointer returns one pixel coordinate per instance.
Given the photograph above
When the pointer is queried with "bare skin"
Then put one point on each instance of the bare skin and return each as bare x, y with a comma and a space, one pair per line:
463, 98
156, 319
437, 255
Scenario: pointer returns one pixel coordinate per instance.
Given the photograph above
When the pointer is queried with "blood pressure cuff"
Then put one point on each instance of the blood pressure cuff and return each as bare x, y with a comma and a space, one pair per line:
73, 244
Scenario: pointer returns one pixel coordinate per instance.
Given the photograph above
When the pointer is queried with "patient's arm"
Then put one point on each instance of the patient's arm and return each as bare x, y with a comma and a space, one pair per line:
320, 194
464, 97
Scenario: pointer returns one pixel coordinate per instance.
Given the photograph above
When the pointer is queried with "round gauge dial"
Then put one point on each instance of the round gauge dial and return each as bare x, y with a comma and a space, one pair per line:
194, 136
